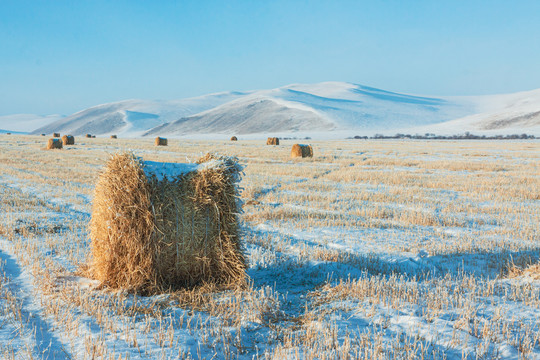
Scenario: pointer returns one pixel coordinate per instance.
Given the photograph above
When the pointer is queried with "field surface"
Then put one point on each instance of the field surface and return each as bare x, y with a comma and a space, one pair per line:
371, 249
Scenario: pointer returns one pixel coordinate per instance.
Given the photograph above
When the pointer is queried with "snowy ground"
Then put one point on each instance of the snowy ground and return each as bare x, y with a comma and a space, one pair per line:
372, 249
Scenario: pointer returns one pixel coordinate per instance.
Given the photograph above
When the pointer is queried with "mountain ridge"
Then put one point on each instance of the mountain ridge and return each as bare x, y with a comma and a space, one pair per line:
323, 110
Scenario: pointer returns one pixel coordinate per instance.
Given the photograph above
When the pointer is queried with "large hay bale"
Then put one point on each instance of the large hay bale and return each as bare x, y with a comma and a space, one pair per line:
272, 141
161, 141
56, 135
88, 136
54, 144
234, 138
300, 150
68, 140
114, 137
158, 226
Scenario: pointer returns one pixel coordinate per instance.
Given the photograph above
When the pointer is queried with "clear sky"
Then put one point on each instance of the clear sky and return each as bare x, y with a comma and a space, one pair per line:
63, 56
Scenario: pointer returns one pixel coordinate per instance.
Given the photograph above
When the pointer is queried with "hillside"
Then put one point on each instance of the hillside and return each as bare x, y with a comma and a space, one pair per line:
131, 118
323, 110
498, 114
25, 122
251, 116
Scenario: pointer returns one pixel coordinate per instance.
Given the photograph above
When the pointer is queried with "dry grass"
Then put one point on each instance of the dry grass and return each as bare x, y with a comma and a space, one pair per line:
303, 151
54, 144
159, 141
68, 140
151, 234
470, 207
272, 141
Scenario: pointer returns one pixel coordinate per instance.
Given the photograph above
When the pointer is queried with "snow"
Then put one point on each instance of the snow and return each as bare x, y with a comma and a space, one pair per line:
280, 271
322, 110
170, 171
25, 122
131, 118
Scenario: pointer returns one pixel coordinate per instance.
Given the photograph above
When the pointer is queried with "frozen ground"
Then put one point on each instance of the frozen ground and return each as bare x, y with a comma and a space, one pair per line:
372, 249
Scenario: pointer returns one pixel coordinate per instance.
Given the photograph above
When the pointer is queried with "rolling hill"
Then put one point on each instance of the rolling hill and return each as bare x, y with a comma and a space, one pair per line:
21, 123
324, 110
131, 118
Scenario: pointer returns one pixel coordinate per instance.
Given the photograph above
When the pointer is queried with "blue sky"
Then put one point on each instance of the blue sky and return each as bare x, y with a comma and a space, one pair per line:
63, 56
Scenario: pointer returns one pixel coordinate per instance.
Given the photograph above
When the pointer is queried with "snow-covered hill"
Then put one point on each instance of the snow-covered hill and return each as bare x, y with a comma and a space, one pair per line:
21, 123
131, 118
316, 110
256, 115
498, 114
329, 109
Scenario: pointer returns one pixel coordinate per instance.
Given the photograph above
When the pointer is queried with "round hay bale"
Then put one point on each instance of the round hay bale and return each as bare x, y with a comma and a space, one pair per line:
158, 226
56, 135
161, 141
234, 138
68, 140
93, 136
8, 133
54, 144
272, 141
114, 137
300, 150
42, 134
88, 136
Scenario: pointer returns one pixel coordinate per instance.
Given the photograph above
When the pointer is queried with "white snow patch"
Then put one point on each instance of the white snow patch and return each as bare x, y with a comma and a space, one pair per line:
163, 170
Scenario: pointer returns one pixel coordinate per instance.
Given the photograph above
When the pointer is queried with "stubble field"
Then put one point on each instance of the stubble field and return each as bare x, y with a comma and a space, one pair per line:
371, 249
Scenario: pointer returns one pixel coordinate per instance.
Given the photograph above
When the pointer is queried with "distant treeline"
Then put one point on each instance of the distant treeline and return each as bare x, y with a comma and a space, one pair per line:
466, 136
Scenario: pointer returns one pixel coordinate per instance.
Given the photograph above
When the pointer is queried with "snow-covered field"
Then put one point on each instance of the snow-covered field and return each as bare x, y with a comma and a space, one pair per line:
372, 249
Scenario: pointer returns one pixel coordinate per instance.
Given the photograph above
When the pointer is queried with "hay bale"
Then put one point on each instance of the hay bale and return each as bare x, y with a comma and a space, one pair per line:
54, 144
272, 141
158, 226
8, 133
234, 138
93, 136
88, 136
300, 150
42, 134
161, 141
114, 137
56, 135
68, 140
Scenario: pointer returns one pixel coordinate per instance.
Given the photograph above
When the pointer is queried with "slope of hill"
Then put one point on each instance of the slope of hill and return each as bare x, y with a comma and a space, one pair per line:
131, 118
329, 109
22, 123
247, 116
497, 114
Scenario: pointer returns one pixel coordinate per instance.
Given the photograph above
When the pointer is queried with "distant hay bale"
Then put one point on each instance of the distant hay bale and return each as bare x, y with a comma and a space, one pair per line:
88, 136
272, 141
54, 144
300, 150
161, 141
42, 134
93, 136
68, 140
114, 137
234, 138
56, 135
8, 133
158, 226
